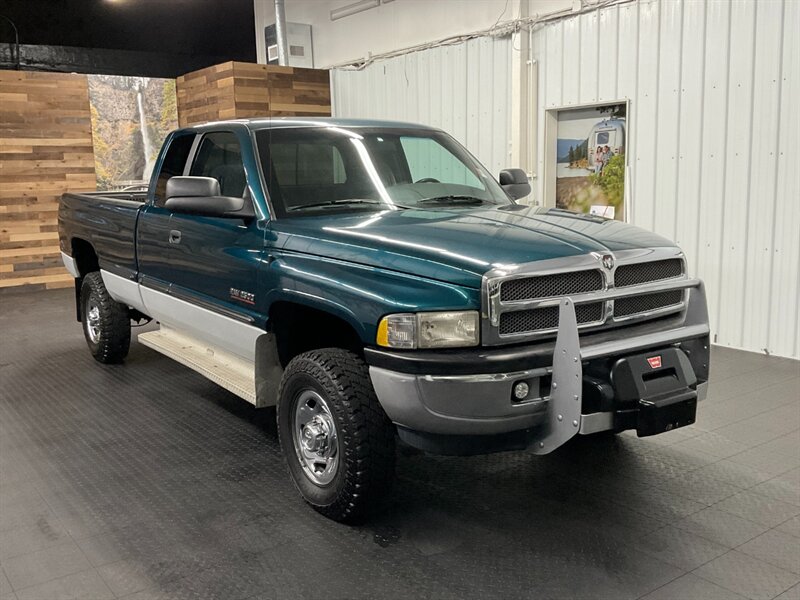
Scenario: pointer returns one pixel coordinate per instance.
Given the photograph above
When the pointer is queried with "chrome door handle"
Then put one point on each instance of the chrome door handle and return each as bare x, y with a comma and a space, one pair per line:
174, 236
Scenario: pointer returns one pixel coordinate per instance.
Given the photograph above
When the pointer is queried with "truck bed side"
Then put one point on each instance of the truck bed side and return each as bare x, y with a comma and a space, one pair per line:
101, 227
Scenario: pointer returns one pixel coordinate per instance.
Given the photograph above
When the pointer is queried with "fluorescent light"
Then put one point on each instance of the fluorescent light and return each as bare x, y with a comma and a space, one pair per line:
352, 9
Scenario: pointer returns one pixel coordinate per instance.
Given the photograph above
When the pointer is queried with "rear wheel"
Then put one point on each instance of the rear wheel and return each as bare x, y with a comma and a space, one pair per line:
106, 323
336, 440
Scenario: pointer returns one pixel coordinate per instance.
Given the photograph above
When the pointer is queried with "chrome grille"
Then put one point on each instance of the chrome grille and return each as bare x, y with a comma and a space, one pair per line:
647, 272
551, 286
523, 302
542, 319
633, 305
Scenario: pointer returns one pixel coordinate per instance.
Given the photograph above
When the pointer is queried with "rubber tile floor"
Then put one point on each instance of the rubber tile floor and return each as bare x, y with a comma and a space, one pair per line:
146, 481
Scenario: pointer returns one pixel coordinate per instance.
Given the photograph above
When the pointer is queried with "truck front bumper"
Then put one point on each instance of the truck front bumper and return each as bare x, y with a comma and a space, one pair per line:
463, 402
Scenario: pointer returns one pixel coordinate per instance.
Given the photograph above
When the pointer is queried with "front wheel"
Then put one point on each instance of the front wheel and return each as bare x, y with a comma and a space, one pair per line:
337, 441
106, 323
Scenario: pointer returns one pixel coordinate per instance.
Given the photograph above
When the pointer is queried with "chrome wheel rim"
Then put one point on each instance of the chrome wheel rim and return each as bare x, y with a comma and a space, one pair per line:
93, 322
316, 441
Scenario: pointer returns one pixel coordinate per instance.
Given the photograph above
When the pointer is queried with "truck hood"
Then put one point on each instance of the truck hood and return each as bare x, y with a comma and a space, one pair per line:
456, 245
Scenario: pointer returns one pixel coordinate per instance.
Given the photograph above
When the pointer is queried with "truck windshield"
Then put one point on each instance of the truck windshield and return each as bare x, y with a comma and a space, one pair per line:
309, 170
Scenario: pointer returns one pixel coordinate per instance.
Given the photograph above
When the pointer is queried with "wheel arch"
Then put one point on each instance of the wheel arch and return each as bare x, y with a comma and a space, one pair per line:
298, 327
85, 256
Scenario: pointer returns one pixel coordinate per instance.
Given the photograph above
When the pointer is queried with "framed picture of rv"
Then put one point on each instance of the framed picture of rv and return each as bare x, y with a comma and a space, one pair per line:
586, 162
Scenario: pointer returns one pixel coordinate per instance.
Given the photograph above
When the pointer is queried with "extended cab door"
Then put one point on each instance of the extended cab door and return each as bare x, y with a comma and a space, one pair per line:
152, 229
214, 262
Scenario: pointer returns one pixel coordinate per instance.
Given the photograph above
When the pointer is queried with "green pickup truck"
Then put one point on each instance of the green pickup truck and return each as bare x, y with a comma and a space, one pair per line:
375, 282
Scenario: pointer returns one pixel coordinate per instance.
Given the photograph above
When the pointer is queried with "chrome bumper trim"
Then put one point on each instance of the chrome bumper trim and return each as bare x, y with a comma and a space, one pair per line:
468, 405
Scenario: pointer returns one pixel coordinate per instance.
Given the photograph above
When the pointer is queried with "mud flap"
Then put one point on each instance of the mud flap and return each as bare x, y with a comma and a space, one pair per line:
268, 371
564, 406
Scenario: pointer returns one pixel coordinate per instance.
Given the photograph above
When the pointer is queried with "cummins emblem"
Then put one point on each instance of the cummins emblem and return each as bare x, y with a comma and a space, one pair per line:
608, 261
246, 297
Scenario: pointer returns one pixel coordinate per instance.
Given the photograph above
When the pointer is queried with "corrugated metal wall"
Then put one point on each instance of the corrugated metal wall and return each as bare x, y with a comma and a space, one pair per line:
715, 93
464, 89
714, 90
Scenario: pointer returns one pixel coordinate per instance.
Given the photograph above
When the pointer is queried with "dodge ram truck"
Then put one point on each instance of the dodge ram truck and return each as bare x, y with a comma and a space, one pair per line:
374, 282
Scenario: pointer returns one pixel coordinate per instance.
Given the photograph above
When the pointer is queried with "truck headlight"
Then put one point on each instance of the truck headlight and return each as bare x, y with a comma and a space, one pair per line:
450, 329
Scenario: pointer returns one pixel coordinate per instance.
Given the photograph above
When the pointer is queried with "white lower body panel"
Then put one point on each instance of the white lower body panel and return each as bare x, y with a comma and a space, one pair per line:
214, 329
123, 290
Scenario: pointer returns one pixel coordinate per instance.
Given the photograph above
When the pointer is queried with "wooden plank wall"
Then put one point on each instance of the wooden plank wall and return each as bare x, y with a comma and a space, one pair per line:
240, 90
45, 150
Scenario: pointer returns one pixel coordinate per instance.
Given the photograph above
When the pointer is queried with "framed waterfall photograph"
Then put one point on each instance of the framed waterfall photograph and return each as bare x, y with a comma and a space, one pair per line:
586, 159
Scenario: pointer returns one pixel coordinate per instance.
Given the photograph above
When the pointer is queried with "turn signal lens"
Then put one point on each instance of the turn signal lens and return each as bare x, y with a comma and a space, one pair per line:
398, 331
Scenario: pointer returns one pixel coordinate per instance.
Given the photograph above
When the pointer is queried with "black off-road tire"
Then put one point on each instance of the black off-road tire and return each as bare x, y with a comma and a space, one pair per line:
113, 339
366, 436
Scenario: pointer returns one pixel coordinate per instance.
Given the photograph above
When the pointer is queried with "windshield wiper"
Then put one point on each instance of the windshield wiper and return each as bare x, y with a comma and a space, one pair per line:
340, 203
452, 199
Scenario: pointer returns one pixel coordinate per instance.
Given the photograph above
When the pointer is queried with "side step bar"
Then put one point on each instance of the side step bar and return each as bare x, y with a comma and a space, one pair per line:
235, 374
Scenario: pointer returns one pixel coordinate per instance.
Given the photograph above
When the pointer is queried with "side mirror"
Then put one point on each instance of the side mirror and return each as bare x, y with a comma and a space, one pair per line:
515, 183
201, 196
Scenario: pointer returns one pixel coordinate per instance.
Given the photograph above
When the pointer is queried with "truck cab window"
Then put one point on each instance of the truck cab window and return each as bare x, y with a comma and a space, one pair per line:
174, 163
220, 157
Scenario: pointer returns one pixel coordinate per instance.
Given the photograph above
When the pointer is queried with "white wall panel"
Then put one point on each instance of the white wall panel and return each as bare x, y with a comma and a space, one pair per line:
571, 70
592, 55
713, 122
607, 52
554, 67
464, 89
690, 127
668, 111
761, 194
713, 141
738, 157
644, 123
784, 289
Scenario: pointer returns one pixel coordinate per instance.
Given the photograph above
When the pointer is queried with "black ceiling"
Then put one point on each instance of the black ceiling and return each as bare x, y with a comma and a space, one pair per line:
219, 28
